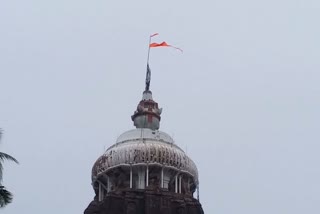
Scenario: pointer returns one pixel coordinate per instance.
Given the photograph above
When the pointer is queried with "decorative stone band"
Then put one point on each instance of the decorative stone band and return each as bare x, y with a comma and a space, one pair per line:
142, 147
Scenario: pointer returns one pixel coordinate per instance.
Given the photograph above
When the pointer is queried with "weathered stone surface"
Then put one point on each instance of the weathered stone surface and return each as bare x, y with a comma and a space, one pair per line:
145, 202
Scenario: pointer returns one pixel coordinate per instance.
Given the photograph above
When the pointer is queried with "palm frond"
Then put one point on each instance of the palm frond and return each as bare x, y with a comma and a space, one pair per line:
4, 156
5, 196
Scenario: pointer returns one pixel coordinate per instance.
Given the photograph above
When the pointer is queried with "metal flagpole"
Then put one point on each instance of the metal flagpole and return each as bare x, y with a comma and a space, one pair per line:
148, 74
155, 34
149, 49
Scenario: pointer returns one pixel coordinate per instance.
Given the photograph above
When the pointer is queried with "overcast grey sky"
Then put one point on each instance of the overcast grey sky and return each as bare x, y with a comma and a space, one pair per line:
243, 98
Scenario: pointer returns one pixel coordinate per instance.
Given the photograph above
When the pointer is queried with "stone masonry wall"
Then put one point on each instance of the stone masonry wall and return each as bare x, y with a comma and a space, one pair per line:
145, 202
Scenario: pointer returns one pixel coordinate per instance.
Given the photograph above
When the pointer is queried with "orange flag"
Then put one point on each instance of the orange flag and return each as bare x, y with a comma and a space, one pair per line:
163, 44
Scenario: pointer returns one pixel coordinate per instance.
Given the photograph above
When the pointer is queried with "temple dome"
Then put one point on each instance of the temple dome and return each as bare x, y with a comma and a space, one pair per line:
145, 158
145, 146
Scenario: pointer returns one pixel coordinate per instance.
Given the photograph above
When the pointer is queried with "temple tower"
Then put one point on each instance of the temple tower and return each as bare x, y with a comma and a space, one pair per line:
145, 172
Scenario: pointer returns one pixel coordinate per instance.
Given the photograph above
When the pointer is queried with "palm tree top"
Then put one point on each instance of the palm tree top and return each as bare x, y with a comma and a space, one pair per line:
3, 157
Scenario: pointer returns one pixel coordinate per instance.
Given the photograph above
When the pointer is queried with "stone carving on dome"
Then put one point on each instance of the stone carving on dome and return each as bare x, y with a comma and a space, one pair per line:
145, 152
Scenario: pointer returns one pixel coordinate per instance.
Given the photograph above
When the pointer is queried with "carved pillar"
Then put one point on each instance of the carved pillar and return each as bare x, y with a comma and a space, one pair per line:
147, 176
101, 192
161, 177
176, 184
108, 184
130, 176
180, 181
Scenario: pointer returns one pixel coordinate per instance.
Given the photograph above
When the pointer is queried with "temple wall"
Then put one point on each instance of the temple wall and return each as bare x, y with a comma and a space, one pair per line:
145, 202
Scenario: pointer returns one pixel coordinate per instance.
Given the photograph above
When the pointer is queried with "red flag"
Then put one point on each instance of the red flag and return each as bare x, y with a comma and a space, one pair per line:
163, 44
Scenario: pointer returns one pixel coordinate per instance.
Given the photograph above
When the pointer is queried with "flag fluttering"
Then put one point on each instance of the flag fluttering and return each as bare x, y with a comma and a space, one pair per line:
163, 44
155, 45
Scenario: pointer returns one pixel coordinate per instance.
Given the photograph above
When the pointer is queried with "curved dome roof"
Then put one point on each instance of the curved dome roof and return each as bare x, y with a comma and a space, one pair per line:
145, 146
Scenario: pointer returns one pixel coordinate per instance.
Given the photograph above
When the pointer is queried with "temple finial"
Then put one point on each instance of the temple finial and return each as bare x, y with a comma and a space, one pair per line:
148, 78
147, 114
